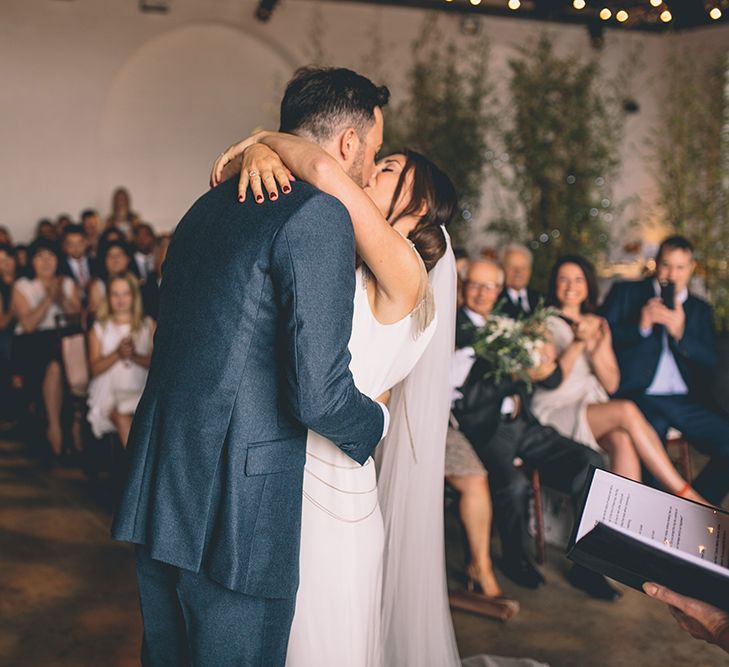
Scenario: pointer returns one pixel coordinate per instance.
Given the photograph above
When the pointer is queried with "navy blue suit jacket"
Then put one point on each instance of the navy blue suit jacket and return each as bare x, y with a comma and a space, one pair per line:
251, 350
638, 357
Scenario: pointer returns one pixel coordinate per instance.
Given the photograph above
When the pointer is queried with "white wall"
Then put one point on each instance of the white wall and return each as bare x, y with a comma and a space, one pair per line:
96, 94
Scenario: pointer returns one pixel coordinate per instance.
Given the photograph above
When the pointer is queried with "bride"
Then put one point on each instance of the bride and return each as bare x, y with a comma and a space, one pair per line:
382, 600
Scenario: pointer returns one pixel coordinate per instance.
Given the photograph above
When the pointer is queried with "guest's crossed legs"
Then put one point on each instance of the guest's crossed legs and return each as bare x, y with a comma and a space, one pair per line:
562, 463
191, 620
706, 430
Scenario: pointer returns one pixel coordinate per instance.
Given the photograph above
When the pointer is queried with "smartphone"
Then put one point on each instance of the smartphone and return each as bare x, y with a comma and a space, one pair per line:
668, 294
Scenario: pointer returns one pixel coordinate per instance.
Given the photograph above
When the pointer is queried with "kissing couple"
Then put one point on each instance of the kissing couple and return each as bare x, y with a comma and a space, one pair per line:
287, 314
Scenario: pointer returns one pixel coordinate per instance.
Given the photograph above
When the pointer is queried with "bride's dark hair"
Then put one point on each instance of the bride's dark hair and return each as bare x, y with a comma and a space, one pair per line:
433, 189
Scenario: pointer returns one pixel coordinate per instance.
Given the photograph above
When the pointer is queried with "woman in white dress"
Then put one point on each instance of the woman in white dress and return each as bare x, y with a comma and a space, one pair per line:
120, 349
338, 607
37, 302
580, 407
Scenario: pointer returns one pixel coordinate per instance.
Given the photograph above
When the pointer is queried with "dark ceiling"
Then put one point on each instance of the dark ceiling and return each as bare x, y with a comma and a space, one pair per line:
641, 15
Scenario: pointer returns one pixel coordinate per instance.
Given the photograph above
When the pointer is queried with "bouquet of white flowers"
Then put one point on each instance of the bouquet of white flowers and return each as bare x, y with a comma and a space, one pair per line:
512, 347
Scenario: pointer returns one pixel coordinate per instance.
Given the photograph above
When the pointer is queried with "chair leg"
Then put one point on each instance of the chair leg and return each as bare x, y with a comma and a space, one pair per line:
538, 517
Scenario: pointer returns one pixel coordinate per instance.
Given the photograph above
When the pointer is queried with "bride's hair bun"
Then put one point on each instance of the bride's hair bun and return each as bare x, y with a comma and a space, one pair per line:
430, 242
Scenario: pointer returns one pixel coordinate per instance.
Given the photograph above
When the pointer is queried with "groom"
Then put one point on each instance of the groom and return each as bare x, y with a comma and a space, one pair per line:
251, 351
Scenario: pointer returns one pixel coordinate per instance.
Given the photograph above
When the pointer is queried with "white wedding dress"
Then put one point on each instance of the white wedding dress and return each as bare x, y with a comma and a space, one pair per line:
337, 622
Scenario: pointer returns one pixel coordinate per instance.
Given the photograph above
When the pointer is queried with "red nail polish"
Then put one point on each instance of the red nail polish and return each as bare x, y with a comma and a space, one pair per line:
273, 197
240, 197
286, 188
259, 198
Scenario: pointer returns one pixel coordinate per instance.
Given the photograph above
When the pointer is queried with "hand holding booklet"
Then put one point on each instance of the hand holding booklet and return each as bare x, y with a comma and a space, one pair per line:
633, 533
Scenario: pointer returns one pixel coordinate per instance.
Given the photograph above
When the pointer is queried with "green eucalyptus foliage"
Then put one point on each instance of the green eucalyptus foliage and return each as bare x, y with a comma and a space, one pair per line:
561, 138
690, 147
446, 112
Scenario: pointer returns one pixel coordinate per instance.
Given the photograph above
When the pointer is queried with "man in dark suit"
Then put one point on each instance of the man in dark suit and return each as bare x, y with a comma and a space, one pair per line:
150, 288
76, 262
664, 342
497, 420
250, 352
517, 299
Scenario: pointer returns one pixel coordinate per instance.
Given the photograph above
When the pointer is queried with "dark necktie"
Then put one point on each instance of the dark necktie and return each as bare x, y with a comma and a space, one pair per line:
523, 305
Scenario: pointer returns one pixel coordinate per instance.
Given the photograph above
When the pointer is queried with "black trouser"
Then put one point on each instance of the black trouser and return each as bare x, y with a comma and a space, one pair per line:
708, 431
562, 464
189, 619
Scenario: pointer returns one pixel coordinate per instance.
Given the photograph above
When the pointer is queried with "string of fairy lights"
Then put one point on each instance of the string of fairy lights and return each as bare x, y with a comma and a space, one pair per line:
660, 8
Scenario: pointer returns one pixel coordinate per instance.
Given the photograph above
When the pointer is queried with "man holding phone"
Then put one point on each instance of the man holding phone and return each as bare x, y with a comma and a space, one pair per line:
664, 342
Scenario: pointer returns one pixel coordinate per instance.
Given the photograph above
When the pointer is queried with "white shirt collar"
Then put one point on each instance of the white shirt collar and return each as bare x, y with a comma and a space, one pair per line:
682, 295
478, 320
514, 294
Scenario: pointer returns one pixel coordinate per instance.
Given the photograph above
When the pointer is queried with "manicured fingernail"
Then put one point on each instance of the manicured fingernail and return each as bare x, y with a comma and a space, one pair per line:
650, 589
240, 197
286, 188
259, 198
273, 196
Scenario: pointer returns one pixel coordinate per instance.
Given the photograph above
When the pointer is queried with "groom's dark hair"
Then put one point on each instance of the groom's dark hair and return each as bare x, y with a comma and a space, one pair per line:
319, 102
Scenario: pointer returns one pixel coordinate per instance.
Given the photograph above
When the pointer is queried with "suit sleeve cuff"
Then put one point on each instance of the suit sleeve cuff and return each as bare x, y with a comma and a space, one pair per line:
386, 415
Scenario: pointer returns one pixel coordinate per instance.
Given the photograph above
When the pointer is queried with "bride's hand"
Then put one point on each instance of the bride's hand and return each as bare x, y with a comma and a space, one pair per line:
230, 162
261, 168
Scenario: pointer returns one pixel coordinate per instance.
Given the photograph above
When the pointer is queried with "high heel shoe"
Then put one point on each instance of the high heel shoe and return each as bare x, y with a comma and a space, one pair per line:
507, 606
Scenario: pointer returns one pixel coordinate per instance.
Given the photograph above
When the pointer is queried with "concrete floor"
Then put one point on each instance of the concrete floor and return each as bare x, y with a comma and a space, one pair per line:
68, 596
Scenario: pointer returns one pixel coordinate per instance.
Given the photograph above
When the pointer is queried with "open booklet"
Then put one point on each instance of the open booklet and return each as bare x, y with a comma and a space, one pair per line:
634, 533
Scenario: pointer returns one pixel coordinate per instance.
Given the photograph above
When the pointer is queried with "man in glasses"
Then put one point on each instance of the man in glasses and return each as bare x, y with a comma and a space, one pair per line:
497, 420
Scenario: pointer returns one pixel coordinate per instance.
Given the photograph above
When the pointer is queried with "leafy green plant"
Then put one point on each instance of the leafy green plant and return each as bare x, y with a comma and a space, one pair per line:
690, 147
446, 111
560, 156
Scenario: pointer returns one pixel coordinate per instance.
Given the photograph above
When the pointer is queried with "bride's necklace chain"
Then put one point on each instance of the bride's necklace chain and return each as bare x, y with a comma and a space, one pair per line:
326, 510
331, 486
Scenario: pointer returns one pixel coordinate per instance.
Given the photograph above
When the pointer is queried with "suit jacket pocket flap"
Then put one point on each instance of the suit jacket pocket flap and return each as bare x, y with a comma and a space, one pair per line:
264, 458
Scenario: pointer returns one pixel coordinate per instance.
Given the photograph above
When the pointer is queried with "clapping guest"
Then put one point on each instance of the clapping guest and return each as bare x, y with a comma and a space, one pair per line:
76, 262
497, 420
517, 298
664, 342
120, 348
580, 407
115, 259
36, 303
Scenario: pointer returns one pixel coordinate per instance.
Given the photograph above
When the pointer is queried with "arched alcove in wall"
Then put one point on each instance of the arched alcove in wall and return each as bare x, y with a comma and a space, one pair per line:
175, 104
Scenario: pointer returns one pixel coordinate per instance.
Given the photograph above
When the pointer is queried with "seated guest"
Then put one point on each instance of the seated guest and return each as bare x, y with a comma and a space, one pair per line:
46, 230
62, 221
22, 264
115, 259
36, 303
76, 263
7, 324
497, 420
665, 351
517, 298
580, 407
91, 223
122, 217
466, 474
120, 349
5, 237
150, 289
145, 243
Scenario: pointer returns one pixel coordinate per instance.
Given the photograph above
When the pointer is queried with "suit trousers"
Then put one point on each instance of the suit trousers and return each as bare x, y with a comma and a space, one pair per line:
562, 464
707, 430
190, 620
